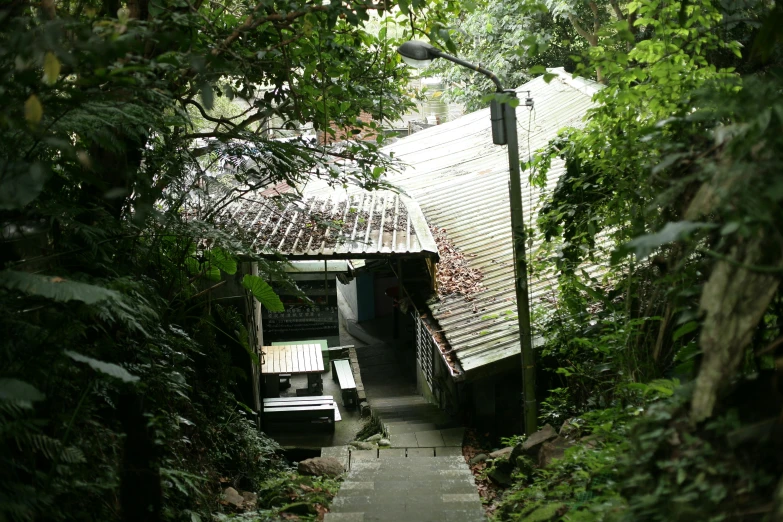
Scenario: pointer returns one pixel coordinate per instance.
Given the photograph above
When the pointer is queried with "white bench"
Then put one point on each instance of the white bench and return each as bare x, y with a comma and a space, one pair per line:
343, 375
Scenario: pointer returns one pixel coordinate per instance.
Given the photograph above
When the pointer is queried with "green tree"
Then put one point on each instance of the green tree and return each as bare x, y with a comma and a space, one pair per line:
126, 130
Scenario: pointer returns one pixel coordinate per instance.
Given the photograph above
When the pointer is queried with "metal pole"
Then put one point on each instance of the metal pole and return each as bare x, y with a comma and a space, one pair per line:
509, 125
520, 268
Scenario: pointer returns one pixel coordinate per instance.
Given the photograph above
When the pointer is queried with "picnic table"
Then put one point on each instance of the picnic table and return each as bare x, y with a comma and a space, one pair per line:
292, 359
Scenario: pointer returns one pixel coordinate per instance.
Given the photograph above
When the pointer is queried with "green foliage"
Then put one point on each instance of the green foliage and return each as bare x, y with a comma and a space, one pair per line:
113, 370
648, 466
56, 288
287, 492
370, 427
263, 292
678, 163
126, 135
19, 392
580, 486
515, 40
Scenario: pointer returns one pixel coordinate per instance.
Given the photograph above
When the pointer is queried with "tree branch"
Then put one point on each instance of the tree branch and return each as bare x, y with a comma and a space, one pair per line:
48, 8
617, 11
591, 38
206, 116
596, 22
251, 23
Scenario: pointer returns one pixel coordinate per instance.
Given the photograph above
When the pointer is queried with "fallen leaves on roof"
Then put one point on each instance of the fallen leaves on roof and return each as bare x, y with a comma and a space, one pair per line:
455, 277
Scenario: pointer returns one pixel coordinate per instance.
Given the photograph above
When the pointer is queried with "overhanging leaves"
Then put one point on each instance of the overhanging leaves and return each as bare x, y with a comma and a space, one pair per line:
223, 260
19, 391
111, 369
263, 292
643, 246
56, 288
21, 184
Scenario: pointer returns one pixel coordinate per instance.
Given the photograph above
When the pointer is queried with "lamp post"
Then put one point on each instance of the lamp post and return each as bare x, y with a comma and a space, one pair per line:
504, 132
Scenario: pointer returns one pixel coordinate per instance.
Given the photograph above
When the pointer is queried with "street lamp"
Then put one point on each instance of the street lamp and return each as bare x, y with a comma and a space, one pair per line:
504, 132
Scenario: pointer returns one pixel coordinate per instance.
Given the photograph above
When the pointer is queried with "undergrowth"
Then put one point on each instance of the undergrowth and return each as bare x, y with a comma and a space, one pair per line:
651, 464
371, 427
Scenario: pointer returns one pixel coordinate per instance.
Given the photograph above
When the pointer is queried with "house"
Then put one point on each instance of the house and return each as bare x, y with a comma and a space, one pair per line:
468, 350
397, 255
318, 235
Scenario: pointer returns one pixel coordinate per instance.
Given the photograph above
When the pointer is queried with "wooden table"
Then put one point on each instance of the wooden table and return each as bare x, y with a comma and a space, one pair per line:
291, 359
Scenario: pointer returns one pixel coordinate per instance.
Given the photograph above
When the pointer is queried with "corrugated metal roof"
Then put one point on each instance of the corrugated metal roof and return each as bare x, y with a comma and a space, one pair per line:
460, 179
334, 224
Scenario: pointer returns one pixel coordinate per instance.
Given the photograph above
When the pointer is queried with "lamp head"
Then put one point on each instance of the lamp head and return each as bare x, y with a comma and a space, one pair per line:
417, 53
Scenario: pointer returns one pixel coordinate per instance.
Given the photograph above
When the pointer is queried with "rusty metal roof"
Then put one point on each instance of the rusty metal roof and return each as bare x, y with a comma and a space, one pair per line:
334, 224
460, 179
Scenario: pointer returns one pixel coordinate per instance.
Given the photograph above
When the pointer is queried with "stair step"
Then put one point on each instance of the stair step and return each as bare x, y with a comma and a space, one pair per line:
399, 401
395, 428
450, 515
432, 489
341, 453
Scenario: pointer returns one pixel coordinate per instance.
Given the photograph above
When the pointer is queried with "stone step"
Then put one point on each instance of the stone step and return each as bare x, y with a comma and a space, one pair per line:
435, 489
395, 428
448, 515
350, 456
341, 453
400, 400
402, 437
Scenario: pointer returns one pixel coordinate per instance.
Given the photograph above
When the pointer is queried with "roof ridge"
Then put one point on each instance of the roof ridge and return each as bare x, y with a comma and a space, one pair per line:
583, 85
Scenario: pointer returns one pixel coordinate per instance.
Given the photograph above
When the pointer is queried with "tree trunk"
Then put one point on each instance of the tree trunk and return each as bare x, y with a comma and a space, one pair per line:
734, 299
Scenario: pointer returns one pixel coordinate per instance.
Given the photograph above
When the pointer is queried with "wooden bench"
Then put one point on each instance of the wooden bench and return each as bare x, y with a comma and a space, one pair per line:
343, 375
317, 410
282, 402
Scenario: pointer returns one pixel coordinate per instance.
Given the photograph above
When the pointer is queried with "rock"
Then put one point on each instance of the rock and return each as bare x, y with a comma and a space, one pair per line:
251, 499
500, 472
362, 445
541, 436
552, 450
233, 497
321, 467
572, 428
532, 444
481, 457
374, 438
501, 452
384, 442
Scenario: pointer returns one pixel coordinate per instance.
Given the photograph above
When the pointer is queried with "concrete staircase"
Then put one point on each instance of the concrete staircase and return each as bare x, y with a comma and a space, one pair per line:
423, 477
412, 422
413, 488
